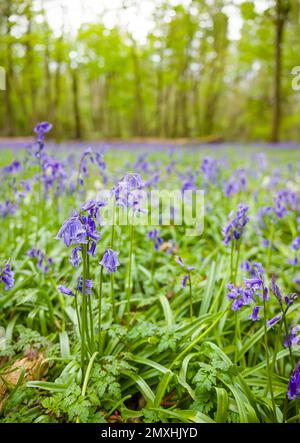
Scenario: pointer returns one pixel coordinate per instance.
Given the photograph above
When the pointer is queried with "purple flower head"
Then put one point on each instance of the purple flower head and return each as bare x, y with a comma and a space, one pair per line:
293, 339
7, 208
154, 236
293, 391
236, 183
254, 314
88, 286
285, 201
54, 174
100, 161
234, 229
126, 192
239, 297
274, 320
110, 260
289, 299
253, 269
292, 261
72, 231
296, 244
74, 259
42, 128
7, 277
90, 228
184, 281
276, 290
40, 259
210, 170
254, 283
64, 290
13, 168
92, 249
93, 207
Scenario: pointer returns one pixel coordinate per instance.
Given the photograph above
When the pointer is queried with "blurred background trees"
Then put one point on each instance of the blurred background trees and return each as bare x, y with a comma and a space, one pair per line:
188, 78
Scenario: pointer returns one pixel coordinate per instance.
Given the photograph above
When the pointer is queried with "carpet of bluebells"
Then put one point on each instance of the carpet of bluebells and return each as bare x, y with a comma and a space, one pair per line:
108, 323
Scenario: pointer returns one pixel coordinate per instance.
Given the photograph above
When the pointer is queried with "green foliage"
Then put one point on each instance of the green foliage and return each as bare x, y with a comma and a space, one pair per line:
178, 81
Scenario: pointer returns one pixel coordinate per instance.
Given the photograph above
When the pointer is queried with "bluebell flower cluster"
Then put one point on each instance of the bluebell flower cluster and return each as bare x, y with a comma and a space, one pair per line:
210, 169
42, 261
94, 158
187, 269
155, 237
233, 231
236, 183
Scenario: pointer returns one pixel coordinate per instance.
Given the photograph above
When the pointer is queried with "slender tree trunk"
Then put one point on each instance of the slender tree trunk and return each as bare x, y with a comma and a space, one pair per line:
76, 110
9, 75
138, 123
280, 19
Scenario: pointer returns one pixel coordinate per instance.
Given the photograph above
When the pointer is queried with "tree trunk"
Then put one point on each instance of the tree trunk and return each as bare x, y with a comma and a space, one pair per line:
76, 110
9, 74
280, 19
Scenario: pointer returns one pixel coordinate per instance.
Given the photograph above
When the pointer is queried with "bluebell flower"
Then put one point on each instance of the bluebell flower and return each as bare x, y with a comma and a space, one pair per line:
124, 191
93, 207
88, 286
289, 299
253, 269
234, 229
254, 314
42, 128
154, 236
210, 170
296, 244
110, 260
236, 183
184, 281
239, 297
292, 339
64, 290
40, 259
293, 391
75, 259
8, 208
274, 320
7, 277
13, 168
276, 290
72, 231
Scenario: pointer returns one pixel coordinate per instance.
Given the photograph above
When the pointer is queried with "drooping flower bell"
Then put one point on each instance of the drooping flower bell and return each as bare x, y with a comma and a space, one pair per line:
7, 277
293, 391
110, 260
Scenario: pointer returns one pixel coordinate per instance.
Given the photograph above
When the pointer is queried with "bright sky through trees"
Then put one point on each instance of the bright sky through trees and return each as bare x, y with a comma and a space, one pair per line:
132, 15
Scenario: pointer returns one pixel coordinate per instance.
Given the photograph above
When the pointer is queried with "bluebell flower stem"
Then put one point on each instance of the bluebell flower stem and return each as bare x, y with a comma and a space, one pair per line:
129, 268
238, 248
100, 309
268, 362
191, 295
84, 335
270, 248
112, 277
231, 261
77, 313
89, 302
